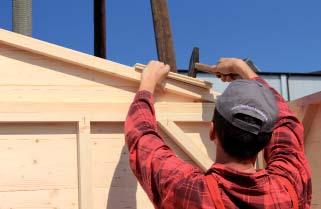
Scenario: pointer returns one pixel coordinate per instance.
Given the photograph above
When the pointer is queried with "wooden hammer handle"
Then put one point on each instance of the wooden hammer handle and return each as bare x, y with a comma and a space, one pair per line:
209, 69
204, 68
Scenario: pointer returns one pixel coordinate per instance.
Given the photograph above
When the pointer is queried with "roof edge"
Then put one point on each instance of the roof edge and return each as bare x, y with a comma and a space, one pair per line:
313, 74
98, 64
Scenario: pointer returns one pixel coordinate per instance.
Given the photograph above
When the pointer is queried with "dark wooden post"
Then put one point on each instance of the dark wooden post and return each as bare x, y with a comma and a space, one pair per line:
163, 34
100, 28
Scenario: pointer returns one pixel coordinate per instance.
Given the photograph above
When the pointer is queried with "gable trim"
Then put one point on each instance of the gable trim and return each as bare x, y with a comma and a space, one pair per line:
100, 65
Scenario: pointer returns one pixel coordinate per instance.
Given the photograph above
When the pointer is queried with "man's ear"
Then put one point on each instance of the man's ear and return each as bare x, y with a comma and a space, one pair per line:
212, 131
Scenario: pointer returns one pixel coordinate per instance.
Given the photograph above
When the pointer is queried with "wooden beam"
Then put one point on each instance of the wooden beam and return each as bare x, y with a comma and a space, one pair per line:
305, 112
39, 117
260, 163
186, 144
100, 28
99, 65
309, 115
180, 77
68, 55
85, 194
163, 34
306, 109
189, 91
109, 112
314, 98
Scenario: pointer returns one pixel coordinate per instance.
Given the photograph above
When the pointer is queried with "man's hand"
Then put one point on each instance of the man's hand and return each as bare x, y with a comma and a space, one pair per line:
227, 67
154, 73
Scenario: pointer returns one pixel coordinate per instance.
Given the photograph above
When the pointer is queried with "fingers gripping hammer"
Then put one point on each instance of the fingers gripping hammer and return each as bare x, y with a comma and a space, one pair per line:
195, 65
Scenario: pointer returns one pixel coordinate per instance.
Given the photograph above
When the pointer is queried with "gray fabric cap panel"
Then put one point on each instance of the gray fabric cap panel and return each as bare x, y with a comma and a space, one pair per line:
251, 98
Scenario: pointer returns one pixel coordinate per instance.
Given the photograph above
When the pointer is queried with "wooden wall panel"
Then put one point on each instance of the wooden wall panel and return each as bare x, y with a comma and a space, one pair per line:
199, 133
35, 69
114, 184
108, 111
49, 83
40, 199
43, 80
89, 94
38, 165
129, 198
312, 151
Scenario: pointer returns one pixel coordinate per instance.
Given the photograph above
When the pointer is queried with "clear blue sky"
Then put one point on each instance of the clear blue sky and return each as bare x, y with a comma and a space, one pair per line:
279, 35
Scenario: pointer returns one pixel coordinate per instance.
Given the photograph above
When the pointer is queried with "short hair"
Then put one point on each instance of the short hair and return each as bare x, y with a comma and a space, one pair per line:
236, 142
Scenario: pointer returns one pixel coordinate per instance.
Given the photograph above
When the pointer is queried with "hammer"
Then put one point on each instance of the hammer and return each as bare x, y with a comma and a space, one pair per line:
195, 65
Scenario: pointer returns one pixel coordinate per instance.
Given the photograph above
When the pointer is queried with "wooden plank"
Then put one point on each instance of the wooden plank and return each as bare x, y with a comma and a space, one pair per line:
104, 139
34, 69
306, 114
67, 55
183, 141
121, 198
83, 94
312, 149
315, 131
38, 117
114, 184
308, 110
66, 94
308, 118
198, 133
40, 199
163, 33
38, 156
260, 163
310, 99
30, 111
180, 77
84, 165
197, 93
96, 64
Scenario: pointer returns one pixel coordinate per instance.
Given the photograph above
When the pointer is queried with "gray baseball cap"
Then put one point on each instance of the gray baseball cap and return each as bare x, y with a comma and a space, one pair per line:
252, 98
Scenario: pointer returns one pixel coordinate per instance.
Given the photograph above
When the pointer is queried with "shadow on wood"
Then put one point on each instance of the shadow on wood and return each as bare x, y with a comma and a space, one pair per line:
116, 196
308, 111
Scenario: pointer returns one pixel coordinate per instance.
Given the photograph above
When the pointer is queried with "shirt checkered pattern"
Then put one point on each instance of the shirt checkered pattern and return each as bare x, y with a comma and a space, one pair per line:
172, 183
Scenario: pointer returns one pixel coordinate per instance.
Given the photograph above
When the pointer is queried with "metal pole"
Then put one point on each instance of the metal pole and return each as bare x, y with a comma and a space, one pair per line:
100, 28
22, 17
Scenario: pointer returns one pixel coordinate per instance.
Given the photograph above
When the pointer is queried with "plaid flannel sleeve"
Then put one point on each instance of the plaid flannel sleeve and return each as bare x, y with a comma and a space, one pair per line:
155, 165
285, 152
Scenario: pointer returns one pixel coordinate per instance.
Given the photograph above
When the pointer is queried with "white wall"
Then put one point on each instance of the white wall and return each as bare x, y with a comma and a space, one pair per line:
290, 87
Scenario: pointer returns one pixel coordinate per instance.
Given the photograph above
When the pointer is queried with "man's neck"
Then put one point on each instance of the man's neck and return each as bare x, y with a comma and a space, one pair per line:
247, 166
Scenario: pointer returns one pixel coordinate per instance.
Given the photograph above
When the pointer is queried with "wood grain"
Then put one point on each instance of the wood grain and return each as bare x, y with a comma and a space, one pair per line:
183, 141
163, 33
25, 45
308, 110
84, 165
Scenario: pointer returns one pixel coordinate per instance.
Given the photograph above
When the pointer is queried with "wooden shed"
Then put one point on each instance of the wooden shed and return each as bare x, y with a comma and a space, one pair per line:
61, 132
61, 127
308, 110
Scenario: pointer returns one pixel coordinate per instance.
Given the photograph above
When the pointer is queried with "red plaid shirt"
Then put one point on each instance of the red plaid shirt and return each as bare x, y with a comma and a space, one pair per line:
172, 183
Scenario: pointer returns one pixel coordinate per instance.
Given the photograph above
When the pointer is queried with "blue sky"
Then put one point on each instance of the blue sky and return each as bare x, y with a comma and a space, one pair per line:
279, 35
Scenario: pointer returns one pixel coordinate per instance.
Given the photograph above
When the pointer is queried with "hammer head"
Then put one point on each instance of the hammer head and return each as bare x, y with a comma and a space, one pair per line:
195, 57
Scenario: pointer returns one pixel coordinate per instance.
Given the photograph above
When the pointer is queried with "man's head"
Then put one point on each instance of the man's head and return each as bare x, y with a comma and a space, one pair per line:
244, 118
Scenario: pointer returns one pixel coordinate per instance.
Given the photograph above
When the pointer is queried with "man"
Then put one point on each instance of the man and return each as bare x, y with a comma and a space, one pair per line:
248, 117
